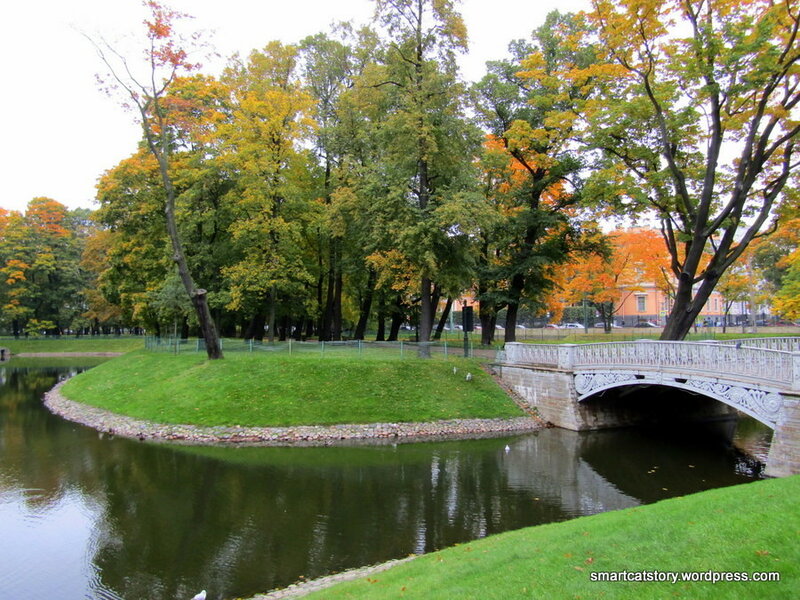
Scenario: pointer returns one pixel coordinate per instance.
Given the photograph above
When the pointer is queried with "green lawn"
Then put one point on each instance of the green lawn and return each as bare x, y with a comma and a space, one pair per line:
745, 529
72, 344
280, 390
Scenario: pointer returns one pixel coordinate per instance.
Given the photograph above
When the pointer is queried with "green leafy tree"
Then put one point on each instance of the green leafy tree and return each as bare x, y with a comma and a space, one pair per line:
270, 118
427, 142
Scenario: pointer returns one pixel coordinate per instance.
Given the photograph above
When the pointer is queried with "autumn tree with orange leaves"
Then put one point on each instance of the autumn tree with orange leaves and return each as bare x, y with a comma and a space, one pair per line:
530, 111
40, 277
633, 257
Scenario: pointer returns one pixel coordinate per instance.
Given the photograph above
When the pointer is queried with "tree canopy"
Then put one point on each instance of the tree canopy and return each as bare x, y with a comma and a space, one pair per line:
354, 181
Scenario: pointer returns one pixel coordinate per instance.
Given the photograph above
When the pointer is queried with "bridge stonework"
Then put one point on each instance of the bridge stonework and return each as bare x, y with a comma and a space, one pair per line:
760, 378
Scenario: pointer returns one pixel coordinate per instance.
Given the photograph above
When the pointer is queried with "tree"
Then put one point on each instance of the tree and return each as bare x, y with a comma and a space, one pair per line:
425, 135
787, 300
734, 285
345, 147
261, 145
40, 274
129, 254
17, 256
779, 263
166, 59
529, 107
697, 123
630, 258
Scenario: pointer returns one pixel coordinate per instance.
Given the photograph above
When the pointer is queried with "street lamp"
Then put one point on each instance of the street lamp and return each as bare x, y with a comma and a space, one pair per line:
468, 324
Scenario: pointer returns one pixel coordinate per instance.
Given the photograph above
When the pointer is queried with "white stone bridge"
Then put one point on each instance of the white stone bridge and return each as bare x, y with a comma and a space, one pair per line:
757, 376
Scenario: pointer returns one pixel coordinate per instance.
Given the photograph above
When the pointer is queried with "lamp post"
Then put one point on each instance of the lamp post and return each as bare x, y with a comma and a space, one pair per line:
585, 316
467, 323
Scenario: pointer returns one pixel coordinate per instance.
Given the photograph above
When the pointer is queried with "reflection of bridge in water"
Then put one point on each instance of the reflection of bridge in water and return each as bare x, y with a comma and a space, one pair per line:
759, 377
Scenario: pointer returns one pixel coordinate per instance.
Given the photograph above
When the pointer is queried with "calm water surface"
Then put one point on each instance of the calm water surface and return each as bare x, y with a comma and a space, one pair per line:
83, 515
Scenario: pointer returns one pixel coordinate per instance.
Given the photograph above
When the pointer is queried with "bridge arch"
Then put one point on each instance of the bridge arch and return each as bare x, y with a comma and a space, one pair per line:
760, 378
761, 403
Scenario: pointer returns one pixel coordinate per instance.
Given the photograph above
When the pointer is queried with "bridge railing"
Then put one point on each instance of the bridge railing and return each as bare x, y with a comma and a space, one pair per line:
786, 344
777, 367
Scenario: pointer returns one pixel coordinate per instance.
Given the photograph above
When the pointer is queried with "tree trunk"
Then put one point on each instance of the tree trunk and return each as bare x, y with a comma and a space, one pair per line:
271, 323
398, 316
686, 309
515, 292
327, 314
336, 334
366, 307
283, 330
381, 334
487, 313
425, 318
443, 320
511, 322
255, 328
196, 295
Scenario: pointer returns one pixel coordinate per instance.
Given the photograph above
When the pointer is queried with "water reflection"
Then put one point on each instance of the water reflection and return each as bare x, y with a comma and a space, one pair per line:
83, 515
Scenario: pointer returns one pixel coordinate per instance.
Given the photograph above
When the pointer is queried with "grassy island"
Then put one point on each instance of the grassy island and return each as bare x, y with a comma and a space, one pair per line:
745, 529
278, 390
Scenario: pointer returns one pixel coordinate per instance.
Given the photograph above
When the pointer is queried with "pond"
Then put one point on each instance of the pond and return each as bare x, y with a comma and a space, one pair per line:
84, 515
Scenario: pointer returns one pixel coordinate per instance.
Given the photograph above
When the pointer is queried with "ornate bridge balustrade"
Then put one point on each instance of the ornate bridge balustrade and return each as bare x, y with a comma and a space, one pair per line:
760, 377
787, 344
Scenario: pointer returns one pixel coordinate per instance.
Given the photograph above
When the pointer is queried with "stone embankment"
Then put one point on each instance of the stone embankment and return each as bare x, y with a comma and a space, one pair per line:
311, 435
304, 588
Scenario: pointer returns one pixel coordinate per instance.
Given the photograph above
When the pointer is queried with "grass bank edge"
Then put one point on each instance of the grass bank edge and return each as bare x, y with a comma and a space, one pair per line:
278, 390
749, 528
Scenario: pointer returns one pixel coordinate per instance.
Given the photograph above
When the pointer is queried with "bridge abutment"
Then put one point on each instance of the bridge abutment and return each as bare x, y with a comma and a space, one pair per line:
551, 392
784, 451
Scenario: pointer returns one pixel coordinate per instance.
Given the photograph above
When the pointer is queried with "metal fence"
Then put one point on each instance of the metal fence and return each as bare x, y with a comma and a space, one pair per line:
351, 348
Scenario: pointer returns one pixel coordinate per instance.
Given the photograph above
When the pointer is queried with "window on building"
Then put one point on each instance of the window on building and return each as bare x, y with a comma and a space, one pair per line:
641, 303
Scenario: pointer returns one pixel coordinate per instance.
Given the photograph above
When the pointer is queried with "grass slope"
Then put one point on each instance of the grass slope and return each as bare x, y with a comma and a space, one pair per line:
747, 528
280, 390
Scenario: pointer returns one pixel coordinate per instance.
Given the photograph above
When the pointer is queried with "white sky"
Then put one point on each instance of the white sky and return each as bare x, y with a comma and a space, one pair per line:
61, 133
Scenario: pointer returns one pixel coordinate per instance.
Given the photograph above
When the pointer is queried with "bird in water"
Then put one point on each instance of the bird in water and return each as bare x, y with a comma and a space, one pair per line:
200, 596
508, 448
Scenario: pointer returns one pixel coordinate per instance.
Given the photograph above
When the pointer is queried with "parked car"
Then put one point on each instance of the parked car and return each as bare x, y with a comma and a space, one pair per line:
552, 326
645, 324
601, 324
572, 326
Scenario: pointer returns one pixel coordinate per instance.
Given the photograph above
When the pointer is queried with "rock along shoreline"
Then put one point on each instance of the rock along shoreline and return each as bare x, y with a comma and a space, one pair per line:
302, 435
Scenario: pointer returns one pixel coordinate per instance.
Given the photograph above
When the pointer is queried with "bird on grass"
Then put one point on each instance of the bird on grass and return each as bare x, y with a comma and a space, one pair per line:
200, 596
468, 377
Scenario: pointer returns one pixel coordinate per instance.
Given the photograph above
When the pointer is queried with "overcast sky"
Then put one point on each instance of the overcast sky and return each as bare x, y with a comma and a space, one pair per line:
61, 133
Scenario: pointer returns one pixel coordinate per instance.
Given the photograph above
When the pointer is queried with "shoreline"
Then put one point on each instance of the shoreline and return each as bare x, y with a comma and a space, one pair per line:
303, 588
64, 354
112, 423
